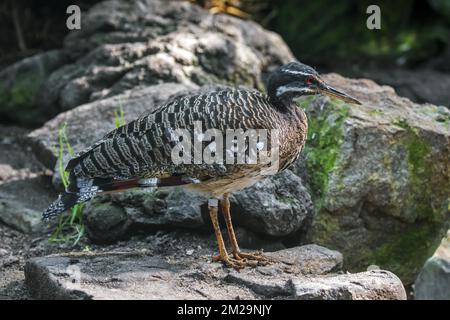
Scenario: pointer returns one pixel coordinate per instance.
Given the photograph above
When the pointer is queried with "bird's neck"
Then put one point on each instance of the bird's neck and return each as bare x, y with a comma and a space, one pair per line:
287, 105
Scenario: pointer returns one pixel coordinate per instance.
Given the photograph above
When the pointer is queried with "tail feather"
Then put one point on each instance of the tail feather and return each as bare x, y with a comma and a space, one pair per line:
65, 201
83, 189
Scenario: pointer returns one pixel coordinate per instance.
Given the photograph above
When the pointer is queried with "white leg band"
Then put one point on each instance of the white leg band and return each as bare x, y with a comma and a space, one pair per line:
213, 202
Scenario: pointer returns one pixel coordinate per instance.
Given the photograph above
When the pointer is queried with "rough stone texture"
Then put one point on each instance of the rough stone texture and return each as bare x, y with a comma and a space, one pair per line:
278, 206
126, 45
370, 285
24, 185
433, 282
380, 176
418, 85
112, 217
21, 84
90, 122
144, 276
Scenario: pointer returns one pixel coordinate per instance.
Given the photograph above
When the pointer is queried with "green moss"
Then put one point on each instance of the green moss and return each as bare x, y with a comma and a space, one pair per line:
325, 226
406, 254
325, 136
18, 100
421, 172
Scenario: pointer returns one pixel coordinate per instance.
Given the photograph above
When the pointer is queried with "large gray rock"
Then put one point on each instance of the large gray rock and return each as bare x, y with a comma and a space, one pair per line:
379, 176
113, 217
420, 86
90, 122
21, 84
126, 45
24, 185
433, 282
278, 206
301, 273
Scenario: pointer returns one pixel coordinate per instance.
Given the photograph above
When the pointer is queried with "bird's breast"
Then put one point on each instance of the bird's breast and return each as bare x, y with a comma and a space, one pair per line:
293, 137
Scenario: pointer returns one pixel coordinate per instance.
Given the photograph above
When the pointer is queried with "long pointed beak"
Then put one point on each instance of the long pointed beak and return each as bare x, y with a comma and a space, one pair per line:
332, 92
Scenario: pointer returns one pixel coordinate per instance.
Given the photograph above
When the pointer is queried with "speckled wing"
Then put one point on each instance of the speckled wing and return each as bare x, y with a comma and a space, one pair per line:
142, 148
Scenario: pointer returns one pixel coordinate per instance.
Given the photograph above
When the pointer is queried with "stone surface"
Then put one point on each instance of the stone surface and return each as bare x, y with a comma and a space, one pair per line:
142, 276
131, 45
24, 184
433, 282
21, 84
370, 285
278, 206
418, 85
379, 176
90, 122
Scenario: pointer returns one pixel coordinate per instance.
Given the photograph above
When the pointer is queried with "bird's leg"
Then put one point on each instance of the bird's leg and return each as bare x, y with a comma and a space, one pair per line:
237, 253
223, 255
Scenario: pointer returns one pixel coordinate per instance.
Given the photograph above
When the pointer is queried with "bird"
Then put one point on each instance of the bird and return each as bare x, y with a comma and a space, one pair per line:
140, 154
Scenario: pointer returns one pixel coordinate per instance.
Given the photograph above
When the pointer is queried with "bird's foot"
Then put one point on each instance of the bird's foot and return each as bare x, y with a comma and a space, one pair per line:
255, 258
230, 262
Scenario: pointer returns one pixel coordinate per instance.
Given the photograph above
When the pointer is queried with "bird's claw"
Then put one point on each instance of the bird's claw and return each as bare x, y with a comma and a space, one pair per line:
230, 262
241, 260
256, 258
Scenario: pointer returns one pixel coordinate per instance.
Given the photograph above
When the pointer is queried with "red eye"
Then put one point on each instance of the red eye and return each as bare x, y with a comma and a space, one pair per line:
309, 81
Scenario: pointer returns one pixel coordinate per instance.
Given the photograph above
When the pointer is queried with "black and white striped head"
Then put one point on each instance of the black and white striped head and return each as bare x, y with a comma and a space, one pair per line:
296, 79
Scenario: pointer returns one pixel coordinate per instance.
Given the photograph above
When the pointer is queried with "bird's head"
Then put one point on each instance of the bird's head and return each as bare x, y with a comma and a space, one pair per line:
296, 79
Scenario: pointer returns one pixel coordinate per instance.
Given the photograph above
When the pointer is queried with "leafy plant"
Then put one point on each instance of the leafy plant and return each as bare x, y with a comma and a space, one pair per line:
70, 228
119, 117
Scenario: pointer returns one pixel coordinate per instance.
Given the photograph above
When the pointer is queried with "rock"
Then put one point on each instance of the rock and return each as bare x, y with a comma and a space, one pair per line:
132, 45
16, 215
370, 285
418, 85
24, 190
20, 86
310, 259
110, 218
106, 222
89, 123
250, 240
433, 282
113, 275
277, 206
379, 176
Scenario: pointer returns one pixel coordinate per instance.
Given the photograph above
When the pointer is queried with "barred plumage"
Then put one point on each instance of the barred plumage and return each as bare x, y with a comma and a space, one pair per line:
139, 154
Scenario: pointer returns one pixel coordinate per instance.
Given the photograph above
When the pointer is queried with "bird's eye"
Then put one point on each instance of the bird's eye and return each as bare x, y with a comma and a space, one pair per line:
309, 81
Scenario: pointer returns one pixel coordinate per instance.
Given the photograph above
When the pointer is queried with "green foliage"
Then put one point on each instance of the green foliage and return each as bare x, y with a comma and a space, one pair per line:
119, 117
421, 170
17, 101
318, 31
70, 228
407, 252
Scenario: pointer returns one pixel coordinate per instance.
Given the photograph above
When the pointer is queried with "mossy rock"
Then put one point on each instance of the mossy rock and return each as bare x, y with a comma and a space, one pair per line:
379, 177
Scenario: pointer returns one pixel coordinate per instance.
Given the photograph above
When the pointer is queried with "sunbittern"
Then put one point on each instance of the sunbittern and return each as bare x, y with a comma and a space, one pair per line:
140, 153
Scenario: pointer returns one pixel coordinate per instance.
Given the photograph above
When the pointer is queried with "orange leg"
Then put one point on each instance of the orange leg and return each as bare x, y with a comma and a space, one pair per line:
237, 253
223, 255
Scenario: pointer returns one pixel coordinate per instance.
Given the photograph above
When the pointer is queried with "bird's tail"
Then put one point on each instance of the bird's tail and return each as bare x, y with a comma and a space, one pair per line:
64, 202
84, 189
79, 190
